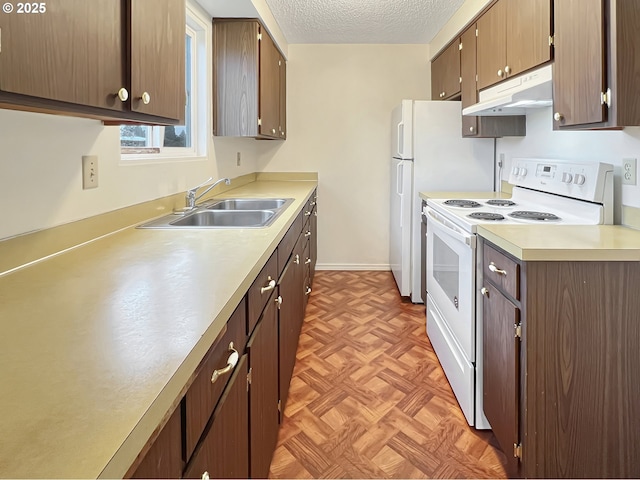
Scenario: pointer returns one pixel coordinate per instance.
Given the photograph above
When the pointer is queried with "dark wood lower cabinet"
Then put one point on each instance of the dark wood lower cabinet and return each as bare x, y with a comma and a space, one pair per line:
262, 349
501, 370
224, 451
563, 401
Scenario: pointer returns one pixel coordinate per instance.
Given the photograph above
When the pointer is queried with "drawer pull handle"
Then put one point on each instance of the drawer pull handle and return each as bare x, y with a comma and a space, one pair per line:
307, 261
269, 287
307, 214
484, 292
297, 260
307, 233
494, 269
307, 291
232, 361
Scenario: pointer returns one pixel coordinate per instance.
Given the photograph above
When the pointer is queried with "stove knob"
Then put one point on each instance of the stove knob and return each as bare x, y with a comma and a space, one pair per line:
579, 179
523, 172
567, 177
516, 171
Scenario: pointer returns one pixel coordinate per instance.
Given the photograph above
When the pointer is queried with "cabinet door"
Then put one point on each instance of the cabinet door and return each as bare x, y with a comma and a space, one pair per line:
40, 55
528, 30
224, 450
578, 71
446, 72
501, 369
269, 86
157, 44
283, 97
263, 391
290, 316
469, 87
164, 458
313, 241
492, 45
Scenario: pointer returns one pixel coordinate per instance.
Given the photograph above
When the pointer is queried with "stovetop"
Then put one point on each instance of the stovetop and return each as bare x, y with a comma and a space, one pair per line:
555, 193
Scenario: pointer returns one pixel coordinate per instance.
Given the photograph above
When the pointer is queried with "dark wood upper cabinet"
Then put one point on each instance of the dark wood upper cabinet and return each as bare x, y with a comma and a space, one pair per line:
157, 44
513, 36
445, 73
282, 63
41, 57
97, 59
481, 126
248, 84
596, 70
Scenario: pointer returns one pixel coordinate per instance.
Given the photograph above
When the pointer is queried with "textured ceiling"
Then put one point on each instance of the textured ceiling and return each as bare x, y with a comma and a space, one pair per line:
362, 21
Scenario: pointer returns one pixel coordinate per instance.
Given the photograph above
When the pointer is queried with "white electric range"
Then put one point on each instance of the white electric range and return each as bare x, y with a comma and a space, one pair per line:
544, 192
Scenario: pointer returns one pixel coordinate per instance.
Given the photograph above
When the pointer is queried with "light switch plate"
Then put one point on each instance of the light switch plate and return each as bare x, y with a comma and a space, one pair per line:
89, 171
629, 172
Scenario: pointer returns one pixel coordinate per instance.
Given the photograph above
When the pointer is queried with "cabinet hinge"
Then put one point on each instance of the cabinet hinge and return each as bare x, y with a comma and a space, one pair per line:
259, 36
460, 80
249, 378
605, 98
279, 63
259, 122
0, 40
279, 406
476, 77
552, 39
460, 46
518, 330
517, 450
476, 32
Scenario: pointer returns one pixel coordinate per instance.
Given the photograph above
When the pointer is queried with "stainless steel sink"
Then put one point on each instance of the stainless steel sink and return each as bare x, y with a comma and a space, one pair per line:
227, 213
226, 218
247, 204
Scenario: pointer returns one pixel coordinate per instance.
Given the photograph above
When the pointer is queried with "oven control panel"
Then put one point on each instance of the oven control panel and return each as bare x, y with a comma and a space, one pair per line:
583, 180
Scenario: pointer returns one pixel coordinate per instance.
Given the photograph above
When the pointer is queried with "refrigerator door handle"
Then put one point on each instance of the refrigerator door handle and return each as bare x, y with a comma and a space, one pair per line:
401, 139
399, 179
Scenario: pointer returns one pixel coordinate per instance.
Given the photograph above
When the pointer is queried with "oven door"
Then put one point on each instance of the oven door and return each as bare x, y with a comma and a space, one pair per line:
451, 266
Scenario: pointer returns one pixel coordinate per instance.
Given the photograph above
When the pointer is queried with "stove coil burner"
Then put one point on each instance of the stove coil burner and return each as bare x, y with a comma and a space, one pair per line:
462, 203
537, 216
486, 216
500, 203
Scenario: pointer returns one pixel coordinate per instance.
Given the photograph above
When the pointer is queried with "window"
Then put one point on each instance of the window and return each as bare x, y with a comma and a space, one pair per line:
151, 142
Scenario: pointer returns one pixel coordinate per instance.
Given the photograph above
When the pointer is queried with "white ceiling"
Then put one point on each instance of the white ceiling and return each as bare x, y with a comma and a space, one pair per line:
362, 21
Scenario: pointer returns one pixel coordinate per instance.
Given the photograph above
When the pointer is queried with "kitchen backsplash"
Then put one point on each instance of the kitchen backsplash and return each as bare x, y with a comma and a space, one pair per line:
609, 146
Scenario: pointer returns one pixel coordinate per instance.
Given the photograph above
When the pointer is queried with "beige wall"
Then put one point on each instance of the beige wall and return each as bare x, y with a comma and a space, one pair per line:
339, 102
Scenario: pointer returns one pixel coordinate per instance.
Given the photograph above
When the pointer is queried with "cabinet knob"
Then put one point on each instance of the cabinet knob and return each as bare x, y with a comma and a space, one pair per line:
484, 292
471, 129
307, 261
444, 94
307, 291
558, 117
282, 133
307, 233
297, 260
507, 70
146, 98
500, 73
123, 94
205, 476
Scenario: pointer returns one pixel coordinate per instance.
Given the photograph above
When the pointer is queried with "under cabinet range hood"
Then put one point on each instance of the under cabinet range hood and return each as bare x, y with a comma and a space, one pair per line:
512, 97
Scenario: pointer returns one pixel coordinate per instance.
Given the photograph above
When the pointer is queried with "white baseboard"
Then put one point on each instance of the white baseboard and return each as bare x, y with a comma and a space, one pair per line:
353, 266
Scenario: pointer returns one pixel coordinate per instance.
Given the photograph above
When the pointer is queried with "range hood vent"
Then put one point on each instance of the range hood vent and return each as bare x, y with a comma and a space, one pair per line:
514, 96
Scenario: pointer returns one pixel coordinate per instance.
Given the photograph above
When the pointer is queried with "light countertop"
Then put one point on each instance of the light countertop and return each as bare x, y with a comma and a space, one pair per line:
98, 342
565, 242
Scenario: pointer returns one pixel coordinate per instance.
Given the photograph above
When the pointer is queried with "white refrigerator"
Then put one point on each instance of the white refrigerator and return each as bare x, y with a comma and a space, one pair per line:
428, 153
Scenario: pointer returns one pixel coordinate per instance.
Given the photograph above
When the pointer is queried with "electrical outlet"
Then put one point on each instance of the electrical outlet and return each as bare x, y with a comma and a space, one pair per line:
89, 171
238, 159
629, 173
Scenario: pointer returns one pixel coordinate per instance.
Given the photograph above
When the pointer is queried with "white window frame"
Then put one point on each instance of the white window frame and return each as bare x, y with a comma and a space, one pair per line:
199, 29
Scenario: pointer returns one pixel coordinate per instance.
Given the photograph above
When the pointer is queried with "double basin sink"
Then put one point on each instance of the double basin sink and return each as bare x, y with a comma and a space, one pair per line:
227, 213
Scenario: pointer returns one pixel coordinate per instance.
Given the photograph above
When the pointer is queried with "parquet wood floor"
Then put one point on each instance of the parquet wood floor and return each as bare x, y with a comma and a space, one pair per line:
368, 398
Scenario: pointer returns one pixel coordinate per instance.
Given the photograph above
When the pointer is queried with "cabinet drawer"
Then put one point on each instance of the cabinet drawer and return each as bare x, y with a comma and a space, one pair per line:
261, 289
502, 271
202, 396
288, 242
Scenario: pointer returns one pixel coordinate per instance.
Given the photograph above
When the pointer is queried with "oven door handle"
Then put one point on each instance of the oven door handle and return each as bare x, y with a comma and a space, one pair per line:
450, 230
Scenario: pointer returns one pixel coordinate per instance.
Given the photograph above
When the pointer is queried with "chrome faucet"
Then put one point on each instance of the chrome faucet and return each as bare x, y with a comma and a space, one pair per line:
191, 194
